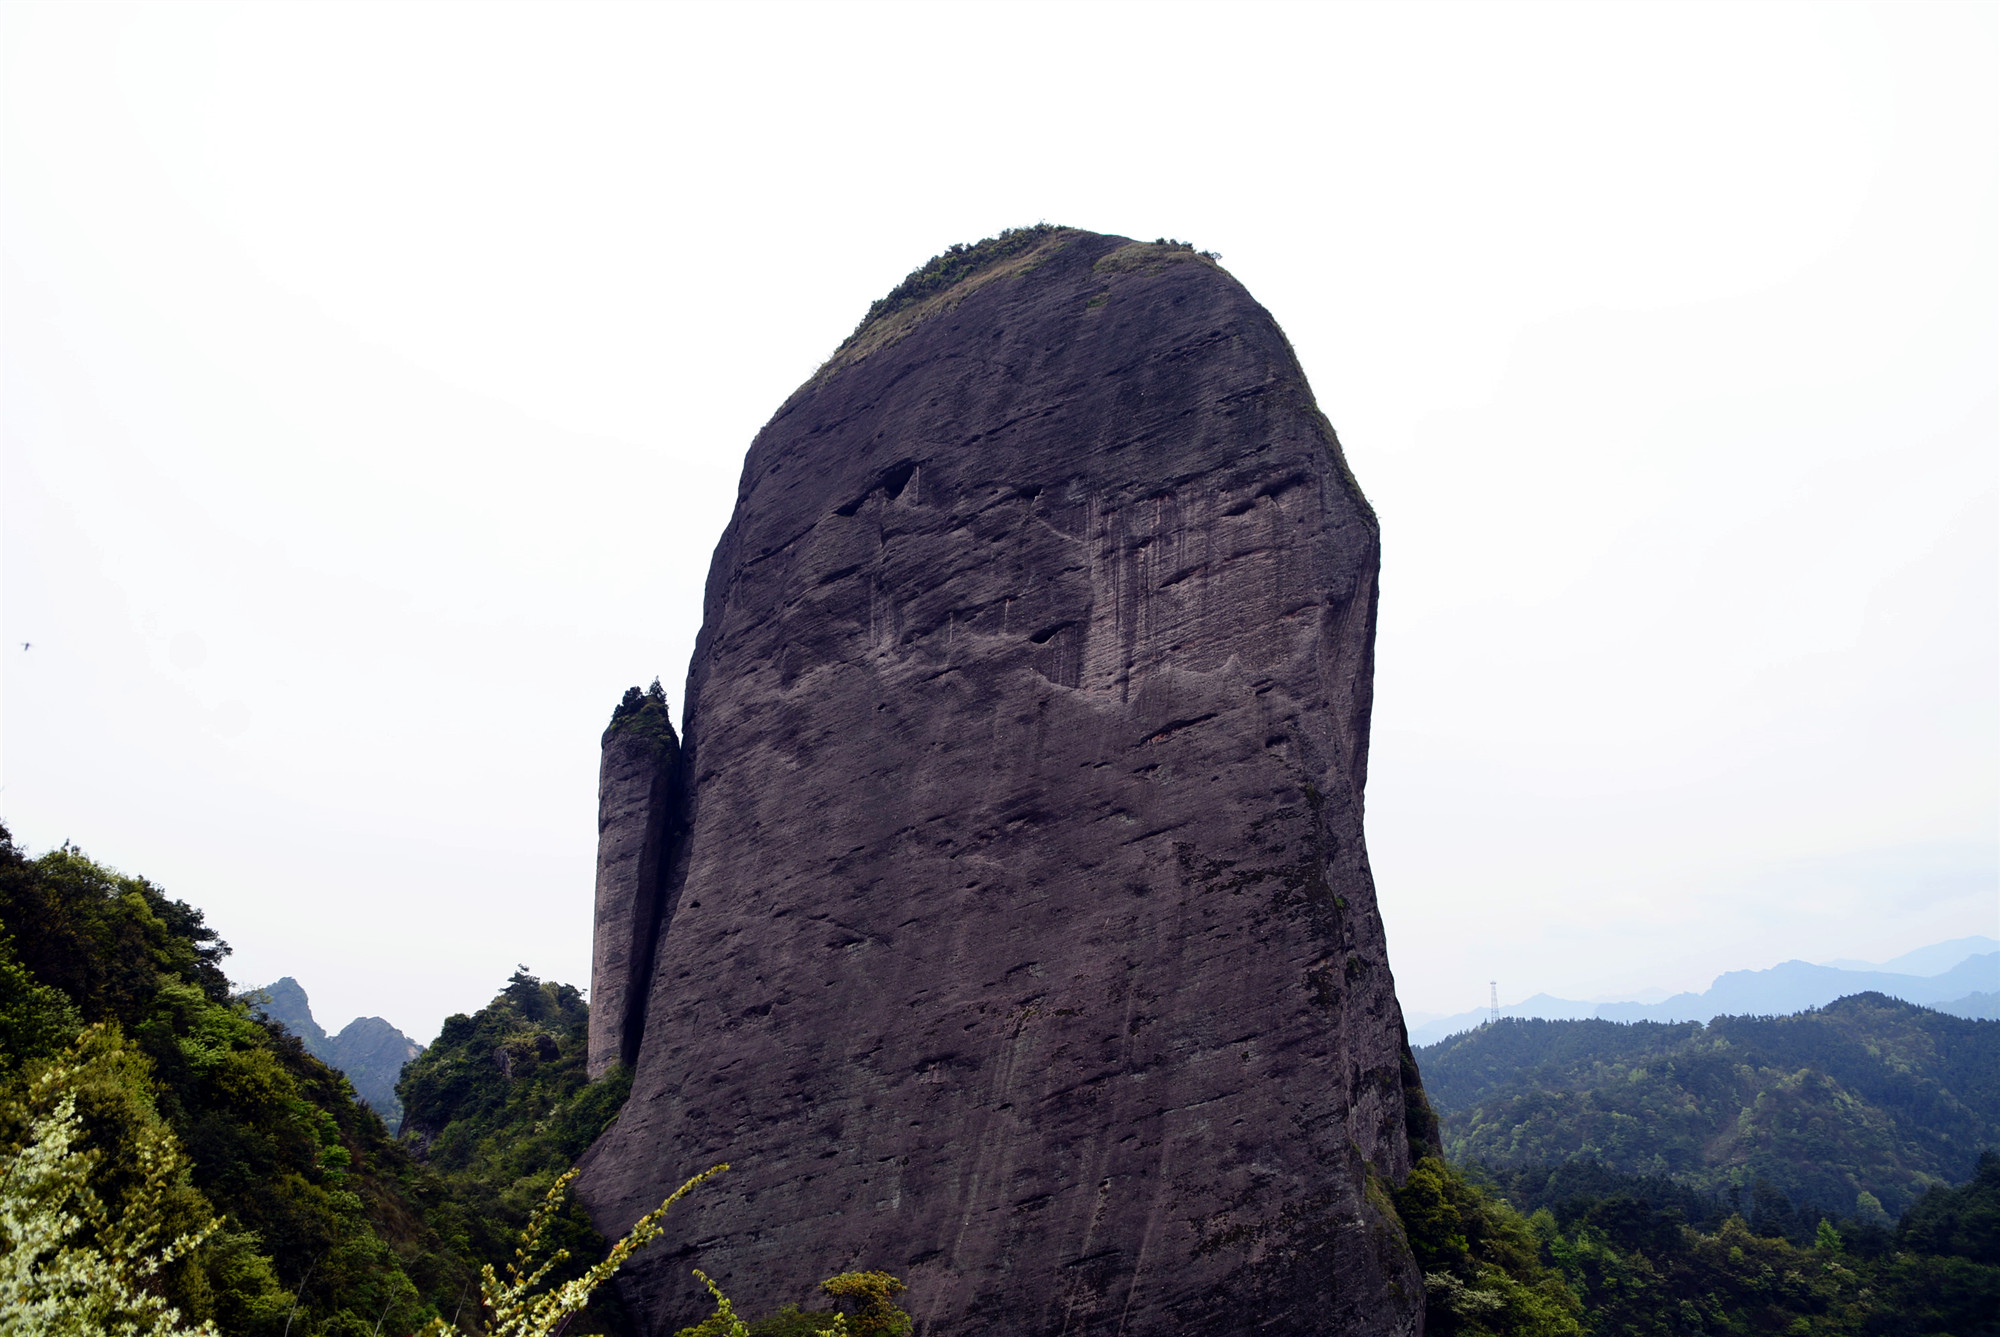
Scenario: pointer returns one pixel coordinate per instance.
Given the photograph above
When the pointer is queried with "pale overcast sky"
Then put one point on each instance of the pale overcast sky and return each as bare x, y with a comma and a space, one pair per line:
374, 382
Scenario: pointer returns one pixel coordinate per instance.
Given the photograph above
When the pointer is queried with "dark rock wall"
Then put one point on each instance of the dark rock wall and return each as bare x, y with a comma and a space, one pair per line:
1022, 941
634, 798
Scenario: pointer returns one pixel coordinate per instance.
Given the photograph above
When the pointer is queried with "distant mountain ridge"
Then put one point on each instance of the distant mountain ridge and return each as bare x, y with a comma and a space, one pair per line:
1856, 1107
1969, 987
369, 1050
1795, 986
1932, 960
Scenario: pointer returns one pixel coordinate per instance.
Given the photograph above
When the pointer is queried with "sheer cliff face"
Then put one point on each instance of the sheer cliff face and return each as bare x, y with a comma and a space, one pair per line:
634, 797
1021, 939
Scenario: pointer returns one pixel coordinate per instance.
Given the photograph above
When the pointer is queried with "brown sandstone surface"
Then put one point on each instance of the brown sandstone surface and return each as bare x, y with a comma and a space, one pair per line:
1019, 938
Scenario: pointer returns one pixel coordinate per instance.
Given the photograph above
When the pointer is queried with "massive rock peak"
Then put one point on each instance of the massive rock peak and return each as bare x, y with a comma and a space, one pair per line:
1014, 931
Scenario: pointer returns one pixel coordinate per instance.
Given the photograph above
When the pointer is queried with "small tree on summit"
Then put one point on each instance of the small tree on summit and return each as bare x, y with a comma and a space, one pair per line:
642, 712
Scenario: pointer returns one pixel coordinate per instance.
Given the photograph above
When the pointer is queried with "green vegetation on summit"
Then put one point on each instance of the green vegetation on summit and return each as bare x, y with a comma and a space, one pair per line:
953, 266
642, 713
964, 260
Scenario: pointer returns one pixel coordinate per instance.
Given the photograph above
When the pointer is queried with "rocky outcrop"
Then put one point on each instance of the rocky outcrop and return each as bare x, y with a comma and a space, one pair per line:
1020, 938
369, 1051
634, 794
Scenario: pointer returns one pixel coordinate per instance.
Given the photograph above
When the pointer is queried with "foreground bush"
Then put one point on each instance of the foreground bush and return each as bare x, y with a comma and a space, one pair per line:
83, 1242
521, 1306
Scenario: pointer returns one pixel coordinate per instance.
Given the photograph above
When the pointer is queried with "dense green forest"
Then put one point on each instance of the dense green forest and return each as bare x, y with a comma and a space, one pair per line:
497, 1108
1597, 1219
1854, 1109
1732, 1178
1632, 1265
329, 1225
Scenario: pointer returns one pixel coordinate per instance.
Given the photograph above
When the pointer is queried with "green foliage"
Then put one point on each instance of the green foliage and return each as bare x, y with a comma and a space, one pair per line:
103, 941
1627, 1249
324, 1227
789, 1321
1868, 1095
368, 1051
958, 263
643, 713
1177, 244
35, 1020
874, 1296
1947, 1273
792, 1321
724, 1321
1730, 1178
1732, 1281
498, 1108
85, 1236
527, 1304
1482, 1264
872, 1293
1960, 1223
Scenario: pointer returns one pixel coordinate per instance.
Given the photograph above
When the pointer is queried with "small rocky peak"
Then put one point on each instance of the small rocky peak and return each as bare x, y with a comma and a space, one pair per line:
644, 714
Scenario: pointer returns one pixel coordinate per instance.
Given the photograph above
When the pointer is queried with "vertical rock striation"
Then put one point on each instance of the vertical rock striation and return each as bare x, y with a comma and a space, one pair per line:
634, 796
1020, 939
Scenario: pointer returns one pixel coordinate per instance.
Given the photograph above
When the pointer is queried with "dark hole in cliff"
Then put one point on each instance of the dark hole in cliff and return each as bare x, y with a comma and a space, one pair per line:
1279, 487
1059, 654
892, 482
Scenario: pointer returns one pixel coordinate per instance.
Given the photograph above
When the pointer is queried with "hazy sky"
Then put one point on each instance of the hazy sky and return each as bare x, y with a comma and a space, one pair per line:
374, 382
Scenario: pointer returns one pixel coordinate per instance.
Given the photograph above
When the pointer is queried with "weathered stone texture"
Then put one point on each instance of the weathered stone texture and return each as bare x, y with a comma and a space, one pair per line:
634, 799
1022, 941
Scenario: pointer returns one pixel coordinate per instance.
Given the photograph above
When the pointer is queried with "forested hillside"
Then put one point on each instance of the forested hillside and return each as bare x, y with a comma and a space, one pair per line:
499, 1106
332, 1228
329, 1226
1743, 1176
1867, 1096
368, 1050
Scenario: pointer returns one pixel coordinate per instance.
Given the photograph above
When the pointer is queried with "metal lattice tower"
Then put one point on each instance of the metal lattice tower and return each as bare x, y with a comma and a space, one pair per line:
1493, 997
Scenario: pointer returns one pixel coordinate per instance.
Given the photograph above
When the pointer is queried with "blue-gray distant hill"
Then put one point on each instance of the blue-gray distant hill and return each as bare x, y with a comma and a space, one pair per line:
1969, 988
1796, 986
369, 1050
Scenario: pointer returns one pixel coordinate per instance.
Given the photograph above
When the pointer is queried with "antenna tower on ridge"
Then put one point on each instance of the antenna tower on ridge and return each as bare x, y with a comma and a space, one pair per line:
1493, 997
